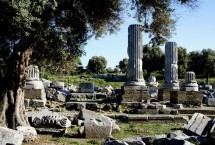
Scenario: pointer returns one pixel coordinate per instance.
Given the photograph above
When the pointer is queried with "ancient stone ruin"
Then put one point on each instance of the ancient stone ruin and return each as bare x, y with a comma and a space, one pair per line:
35, 95
190, 83
135, 86
135, 53
171, 67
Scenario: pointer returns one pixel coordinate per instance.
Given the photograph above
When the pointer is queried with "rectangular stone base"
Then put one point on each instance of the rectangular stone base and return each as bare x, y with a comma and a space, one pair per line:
134, 93
163, 95
186, 97
35, 94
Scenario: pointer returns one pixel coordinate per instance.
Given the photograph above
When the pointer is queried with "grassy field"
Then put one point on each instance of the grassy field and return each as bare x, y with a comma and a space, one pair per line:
127, 130
75, 80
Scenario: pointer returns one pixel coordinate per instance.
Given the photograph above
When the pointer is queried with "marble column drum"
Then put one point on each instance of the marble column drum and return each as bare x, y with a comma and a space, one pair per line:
171, 67
190, 83
135, 53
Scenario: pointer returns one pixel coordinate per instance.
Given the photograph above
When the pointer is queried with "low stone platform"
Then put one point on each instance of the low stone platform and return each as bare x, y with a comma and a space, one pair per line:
134, 93
140, 117
163, 94
186, 97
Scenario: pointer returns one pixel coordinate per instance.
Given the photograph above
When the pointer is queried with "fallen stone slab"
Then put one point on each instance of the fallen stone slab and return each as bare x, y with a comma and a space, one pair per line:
10, 136
199, 124
85, 114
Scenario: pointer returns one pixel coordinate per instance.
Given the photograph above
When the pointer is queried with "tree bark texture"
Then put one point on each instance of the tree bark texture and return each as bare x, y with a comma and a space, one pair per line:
12, 109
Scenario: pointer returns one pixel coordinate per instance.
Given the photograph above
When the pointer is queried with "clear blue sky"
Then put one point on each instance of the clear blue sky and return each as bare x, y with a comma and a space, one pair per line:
195, 30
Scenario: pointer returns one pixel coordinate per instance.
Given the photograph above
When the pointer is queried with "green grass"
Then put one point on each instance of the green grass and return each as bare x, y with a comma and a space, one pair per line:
76, 80
145, 129
127, 130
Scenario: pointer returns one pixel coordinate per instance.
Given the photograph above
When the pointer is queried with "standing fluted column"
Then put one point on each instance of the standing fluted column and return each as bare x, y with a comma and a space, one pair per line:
33, 73
135, 53
171, 66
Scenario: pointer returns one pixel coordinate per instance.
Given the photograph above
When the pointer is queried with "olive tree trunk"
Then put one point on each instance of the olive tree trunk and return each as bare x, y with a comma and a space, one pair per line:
12, 109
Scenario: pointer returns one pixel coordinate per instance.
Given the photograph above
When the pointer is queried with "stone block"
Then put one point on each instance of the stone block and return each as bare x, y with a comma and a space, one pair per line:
148, 111
134, 94
95, 128
57, 84
35, 84
60, 96
165, 111
211, 101
194, 98
10, 136
184, 119
37, 103
35, 93
161, 117
75, 105
199, 124
83, 96
186, 97
163, 95
85, 114
86, 87
178, 106
135, 117
30, 134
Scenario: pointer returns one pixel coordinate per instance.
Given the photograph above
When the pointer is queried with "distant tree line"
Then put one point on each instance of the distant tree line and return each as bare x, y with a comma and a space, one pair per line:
201, 62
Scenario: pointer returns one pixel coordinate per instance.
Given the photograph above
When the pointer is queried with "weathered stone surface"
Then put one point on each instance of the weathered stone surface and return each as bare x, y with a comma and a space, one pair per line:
171, 67
148, 111
135, 117
35, 94
134, 141
96, 128
10, 136
37, 103
190, 83
30, 134
33, 73
57, 84
169, 141
163, 95
186, 97
75, 105
199, 124
152, 82
48, 121
60, 96
178, 106
111, 141
34, 85
46, 83
135, 72
211, 101
86, 87
85, 114
83, 96
134, 94
178, 134
161, 117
